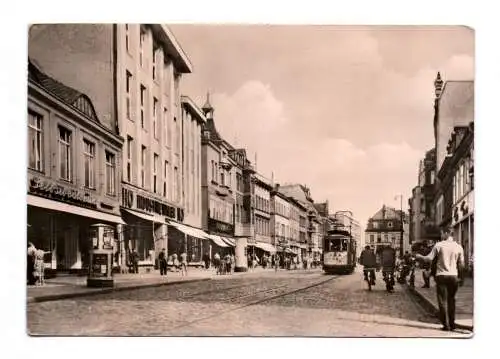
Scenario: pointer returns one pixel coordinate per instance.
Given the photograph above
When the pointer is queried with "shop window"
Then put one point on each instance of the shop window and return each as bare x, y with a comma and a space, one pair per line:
35, 138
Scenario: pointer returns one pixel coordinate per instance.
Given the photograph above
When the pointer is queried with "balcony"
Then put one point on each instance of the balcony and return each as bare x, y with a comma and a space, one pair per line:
223, 191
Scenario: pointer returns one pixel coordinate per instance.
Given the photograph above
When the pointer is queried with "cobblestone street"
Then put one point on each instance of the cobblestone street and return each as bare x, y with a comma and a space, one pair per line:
263, 304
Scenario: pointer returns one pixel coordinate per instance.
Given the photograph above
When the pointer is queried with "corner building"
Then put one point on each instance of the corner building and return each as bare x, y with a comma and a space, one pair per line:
73, 174
132, 72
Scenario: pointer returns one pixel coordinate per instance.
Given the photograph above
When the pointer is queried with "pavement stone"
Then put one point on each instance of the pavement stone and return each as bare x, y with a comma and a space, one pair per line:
464, 300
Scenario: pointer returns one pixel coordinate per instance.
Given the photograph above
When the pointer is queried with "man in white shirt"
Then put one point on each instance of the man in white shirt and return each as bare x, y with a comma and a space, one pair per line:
449, 256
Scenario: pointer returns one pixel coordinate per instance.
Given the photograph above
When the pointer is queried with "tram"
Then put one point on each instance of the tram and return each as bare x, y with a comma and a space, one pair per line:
339, 252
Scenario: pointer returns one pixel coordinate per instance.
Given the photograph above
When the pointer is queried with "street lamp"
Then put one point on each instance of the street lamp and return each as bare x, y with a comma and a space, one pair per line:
401, 241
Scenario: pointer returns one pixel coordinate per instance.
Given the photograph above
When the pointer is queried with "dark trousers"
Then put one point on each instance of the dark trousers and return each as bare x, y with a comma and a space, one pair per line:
446, 288
163, 267
30, 267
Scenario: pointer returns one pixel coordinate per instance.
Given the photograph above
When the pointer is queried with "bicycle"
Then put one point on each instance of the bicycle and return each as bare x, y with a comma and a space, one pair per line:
371, 278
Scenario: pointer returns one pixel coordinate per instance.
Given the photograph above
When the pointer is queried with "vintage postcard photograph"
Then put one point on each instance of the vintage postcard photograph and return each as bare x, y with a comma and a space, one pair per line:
250, 180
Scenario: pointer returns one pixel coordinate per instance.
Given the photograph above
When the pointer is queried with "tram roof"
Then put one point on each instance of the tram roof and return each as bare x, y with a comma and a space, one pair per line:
339, 232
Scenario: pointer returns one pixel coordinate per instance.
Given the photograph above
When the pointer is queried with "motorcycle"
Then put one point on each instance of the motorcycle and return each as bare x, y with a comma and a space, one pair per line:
389, 280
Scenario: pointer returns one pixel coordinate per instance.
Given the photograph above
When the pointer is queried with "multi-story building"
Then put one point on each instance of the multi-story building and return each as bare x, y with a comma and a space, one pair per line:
385, 228
298, 229
315, 226
132, 73
280, 220
453, 107
421, 211
227, 192
262, 215
457, 176
73, 173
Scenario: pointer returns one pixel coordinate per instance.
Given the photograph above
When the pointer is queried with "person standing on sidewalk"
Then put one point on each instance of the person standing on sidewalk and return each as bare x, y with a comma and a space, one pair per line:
163, 262
184, 270
449, 268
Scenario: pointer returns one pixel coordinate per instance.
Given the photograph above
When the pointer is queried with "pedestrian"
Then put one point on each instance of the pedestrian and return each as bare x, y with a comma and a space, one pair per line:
276, 262
162, 259
450, 264
217, 263
228, 263
206, 259
135, 262
426, 266
233, 263
30, 264
184, 270
39, 267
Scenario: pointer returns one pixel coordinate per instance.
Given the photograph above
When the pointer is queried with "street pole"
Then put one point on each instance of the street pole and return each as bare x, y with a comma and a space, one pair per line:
401, 241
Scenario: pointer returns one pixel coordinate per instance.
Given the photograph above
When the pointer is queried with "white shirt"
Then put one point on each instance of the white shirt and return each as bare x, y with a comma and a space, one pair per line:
449, 253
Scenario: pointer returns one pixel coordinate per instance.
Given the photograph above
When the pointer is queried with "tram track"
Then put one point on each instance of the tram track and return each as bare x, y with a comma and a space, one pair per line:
255, 301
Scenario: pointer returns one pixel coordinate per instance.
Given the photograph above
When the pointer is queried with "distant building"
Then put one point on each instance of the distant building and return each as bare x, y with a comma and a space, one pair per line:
384, 229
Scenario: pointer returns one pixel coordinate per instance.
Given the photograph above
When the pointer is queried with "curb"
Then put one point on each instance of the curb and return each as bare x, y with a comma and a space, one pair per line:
54, 297
432, 309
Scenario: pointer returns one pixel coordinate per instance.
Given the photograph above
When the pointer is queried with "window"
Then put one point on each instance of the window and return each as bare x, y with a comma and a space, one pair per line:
167, 127
143, 98
375, 225
156, 158
176, 184
222, 178
389, 224
155, 108
177, 134
143, 165
128, 81
142, 40
128, 85
165, 178
213, 169
89, 164
154, 61
126, 37
129, 158
110, 173
35, 135
64, 153
372, 238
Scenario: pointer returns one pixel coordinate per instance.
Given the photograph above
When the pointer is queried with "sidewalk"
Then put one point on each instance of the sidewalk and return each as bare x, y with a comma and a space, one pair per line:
464, 300
69, 286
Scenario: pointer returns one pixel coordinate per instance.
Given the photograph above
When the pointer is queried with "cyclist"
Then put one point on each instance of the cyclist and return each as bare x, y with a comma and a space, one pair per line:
368, 260
388, 261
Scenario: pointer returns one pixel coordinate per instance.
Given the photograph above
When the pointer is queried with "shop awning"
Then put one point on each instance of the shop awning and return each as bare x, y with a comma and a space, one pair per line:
230, 241
266, 247
141, 215
69, 208
190, 231
218, 240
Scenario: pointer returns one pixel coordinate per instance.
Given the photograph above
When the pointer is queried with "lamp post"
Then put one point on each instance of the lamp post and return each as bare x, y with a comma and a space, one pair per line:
401, 241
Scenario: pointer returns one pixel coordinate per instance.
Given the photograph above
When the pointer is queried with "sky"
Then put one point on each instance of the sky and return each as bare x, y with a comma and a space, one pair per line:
347, 111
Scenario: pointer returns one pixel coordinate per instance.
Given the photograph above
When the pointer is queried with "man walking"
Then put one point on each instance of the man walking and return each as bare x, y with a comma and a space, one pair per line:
449, 257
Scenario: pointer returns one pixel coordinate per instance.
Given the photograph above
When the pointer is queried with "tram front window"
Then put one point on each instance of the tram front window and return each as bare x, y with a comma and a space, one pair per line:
337, 245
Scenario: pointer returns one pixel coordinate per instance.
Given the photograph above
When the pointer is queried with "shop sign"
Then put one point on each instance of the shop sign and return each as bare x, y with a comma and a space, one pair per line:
221, 227
133, 200
463, 208
51, 189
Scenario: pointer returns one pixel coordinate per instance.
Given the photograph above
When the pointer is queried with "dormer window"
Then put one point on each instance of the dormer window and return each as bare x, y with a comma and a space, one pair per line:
389, 224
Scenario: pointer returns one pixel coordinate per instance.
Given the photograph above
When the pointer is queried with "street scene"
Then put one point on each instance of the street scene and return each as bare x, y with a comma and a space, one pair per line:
250, 180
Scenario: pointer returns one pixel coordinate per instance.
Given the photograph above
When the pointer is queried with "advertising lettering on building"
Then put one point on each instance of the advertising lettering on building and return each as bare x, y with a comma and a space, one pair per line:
133, 200
45, 187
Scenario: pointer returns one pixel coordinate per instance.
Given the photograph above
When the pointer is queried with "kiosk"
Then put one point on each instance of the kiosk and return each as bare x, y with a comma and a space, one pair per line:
100, 274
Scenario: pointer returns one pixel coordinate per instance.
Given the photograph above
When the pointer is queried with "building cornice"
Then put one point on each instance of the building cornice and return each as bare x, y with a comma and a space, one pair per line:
173, 48
194, 110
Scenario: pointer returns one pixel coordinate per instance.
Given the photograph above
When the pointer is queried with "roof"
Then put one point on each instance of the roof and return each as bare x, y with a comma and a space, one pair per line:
66, 94
386, 213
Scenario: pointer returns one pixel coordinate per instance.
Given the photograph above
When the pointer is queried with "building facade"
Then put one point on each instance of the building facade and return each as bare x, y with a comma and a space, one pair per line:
262, 214
384, 229
457, 174
74, 165
132, 73
280, 220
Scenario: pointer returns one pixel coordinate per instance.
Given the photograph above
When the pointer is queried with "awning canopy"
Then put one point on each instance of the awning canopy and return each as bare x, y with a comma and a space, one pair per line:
190, 231
218, 240
69, 208
230, 241
266, 247
145, 216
